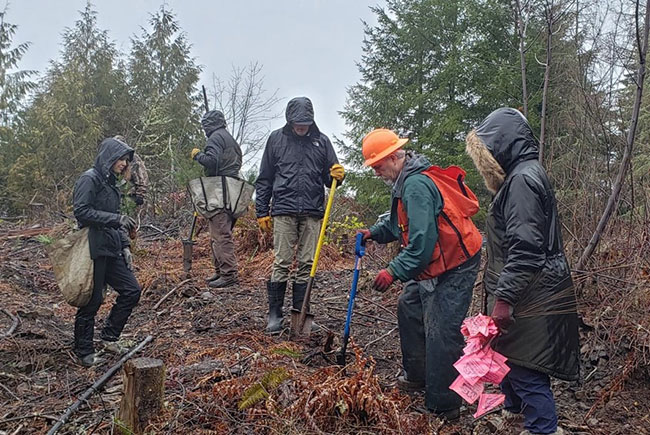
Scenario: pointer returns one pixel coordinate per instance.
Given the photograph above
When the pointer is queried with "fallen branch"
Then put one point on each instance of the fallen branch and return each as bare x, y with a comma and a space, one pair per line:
10, 392
155, 307
356, 313
25, 417
365, 348
14, 324
96, 386
381, 307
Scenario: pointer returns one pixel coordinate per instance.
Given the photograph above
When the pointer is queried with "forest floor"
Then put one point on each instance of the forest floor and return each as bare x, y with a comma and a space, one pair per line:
213, 345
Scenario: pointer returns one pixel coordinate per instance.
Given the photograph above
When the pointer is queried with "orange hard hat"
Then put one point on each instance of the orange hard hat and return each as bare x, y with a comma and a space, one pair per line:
380, 143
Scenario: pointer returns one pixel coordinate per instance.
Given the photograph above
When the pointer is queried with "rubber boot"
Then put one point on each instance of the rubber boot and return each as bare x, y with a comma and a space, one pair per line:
84, 329
299, 290
275, 292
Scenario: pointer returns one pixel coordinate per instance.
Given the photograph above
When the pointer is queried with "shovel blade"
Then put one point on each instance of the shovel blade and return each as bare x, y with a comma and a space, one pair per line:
296, 328
187, 256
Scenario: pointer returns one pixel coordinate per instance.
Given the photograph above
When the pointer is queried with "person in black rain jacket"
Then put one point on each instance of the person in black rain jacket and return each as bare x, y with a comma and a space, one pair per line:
97, 206
298, 163
527, 276
222, 157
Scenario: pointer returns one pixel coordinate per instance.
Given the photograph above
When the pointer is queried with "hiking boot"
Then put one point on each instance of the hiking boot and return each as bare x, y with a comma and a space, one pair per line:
408, 386
510, 420
275, 292
213, 277
90, 360
510, 416
223, 282
119, 347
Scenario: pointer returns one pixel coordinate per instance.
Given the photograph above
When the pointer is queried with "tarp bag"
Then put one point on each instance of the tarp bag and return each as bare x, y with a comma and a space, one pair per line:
73, 267
212, 195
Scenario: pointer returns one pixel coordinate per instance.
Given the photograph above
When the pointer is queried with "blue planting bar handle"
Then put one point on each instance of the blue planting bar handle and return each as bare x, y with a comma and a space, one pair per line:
360, 246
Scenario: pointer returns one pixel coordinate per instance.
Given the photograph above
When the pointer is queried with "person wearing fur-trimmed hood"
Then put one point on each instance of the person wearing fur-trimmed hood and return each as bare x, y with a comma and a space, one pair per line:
527, 278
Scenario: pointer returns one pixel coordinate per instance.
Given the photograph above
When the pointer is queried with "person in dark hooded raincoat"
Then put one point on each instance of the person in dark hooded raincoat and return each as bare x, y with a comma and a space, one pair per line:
298, 162
97, 206
527, 277
222, 157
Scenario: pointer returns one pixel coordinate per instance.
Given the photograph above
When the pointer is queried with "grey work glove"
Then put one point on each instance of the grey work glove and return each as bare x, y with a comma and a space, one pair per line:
127, 222
128, 257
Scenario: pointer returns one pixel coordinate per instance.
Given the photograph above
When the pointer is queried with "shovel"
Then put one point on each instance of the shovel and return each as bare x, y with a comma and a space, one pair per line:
359, 251
188, 244
301, 320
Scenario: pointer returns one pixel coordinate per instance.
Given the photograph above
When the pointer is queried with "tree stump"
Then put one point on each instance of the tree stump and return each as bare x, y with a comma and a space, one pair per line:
143, 393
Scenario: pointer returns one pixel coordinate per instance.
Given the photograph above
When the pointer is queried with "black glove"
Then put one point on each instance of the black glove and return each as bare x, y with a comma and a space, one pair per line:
502, 315
137, 199
127, 222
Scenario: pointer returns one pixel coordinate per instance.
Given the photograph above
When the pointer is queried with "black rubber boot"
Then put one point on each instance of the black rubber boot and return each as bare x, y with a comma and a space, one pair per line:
299, 290
275, 292
84, 329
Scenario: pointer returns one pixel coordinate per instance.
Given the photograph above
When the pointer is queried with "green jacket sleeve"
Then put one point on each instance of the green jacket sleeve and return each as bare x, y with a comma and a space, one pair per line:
423, 203
385, 231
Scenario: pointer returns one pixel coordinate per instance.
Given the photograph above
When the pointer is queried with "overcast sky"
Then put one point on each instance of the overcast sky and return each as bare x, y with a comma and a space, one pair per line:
307, 47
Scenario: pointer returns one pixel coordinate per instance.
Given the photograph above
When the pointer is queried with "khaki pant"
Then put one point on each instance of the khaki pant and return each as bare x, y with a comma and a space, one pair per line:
223, 247
294, 234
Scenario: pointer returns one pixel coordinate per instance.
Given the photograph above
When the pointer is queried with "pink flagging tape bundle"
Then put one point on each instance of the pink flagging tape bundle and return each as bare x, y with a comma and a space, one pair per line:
479, 364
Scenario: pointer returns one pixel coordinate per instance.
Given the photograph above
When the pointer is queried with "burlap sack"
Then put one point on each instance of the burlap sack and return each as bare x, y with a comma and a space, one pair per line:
73, 267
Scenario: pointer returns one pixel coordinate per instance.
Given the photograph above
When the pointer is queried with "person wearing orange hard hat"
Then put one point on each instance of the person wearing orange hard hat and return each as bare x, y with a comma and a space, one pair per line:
438, 263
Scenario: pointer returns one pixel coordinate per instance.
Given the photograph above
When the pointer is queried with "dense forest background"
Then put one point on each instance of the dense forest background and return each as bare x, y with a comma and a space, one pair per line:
431, 70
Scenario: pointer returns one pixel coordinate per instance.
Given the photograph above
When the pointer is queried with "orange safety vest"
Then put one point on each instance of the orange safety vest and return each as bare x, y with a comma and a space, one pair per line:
458, 237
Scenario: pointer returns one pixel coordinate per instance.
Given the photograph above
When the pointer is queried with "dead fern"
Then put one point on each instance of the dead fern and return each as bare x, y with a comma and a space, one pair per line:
260, 390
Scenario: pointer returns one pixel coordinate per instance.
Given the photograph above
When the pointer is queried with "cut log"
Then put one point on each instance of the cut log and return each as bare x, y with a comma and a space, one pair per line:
143, 393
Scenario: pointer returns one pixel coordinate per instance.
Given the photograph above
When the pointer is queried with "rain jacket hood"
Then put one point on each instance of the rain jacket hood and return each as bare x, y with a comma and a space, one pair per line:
110, 150
300, 110
211, 121
508, 137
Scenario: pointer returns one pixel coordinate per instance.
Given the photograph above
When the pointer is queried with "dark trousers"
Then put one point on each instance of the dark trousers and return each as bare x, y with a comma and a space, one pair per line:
112, 271
429, 315
223, 246
529, 392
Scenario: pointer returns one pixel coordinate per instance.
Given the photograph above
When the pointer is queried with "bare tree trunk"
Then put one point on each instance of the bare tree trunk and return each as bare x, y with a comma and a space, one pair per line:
521, 33
548, 11
614, 198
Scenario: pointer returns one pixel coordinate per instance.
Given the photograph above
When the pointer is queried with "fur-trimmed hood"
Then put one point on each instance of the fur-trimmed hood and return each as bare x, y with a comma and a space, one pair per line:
501, 141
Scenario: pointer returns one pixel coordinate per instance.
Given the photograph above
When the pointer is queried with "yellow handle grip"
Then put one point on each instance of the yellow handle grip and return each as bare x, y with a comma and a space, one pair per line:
323, 227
